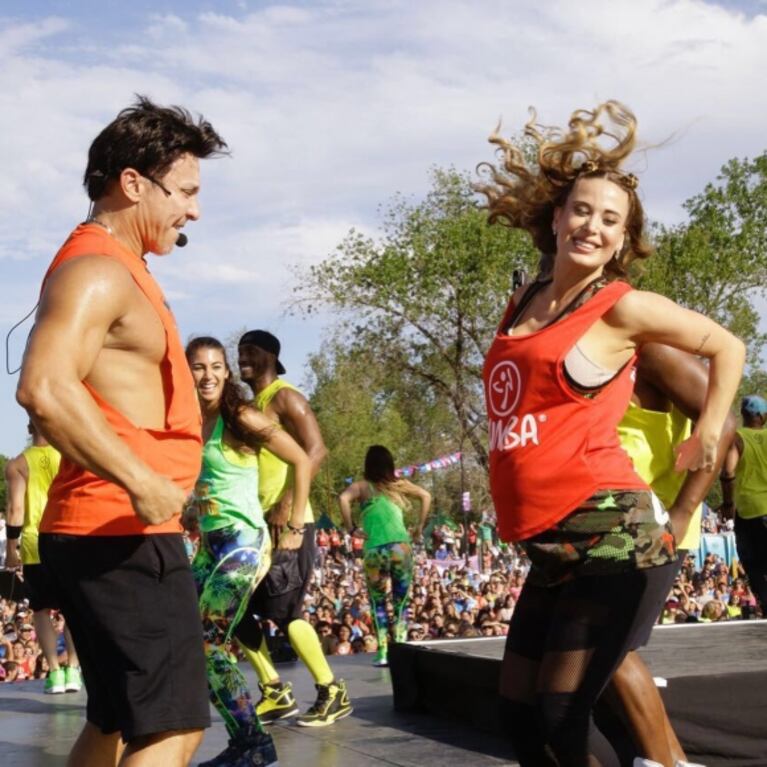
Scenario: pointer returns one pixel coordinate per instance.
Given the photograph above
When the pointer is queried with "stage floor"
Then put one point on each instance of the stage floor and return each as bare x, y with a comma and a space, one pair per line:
37, 730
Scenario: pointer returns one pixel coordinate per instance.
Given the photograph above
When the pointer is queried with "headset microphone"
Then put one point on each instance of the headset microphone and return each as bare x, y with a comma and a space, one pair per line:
181, 240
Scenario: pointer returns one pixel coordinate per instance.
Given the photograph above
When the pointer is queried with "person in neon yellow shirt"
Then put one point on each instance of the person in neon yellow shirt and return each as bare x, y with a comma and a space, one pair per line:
28, 477
669, 394
744, 490
280, 595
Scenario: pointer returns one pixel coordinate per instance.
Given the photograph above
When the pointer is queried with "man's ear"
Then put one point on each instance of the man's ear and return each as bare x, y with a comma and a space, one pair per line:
132, 184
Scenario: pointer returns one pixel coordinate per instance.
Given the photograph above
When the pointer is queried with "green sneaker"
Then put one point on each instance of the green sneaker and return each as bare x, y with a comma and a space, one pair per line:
73, 679
381, 659
277, 702
55, 682
331, 705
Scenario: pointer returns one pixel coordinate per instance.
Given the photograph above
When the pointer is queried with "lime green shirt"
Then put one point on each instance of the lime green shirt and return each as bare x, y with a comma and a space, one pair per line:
226, 492
382, 521
650, 437
751, 474
43, 465
275, 476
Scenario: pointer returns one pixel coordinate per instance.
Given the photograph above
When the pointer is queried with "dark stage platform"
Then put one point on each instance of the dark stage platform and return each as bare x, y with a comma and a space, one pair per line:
716, 692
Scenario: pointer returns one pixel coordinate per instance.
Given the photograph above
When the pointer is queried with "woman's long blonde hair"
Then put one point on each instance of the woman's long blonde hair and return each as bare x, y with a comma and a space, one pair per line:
522, 197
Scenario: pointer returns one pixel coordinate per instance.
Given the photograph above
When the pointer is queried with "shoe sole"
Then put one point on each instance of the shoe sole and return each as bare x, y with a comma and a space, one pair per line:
325, 722
72, 688
273, 716
55, 690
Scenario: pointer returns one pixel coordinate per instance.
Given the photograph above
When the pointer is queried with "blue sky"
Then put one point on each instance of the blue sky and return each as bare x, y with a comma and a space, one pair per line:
332, 107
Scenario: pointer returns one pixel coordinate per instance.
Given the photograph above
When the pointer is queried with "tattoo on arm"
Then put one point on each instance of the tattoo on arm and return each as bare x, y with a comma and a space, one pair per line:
702, 343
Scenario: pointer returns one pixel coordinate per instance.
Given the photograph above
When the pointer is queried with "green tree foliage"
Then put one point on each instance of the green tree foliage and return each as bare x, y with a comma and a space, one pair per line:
420, 303
716, 262
426, 297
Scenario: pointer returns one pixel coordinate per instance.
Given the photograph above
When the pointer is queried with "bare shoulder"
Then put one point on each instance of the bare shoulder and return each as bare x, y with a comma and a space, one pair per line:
291, 404
88, 279
640, 309
16, 467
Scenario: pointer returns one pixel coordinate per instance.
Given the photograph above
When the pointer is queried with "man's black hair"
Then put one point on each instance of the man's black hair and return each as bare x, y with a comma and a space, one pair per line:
149, 138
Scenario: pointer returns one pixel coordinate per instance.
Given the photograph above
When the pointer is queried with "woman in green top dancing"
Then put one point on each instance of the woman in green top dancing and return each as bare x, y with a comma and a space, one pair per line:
388, 551
235, 550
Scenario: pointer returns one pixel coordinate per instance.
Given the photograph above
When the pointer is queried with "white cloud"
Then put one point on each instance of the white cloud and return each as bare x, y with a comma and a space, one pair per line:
331, 107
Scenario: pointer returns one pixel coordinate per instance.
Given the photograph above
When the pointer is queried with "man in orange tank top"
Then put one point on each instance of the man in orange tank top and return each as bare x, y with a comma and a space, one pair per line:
105, 380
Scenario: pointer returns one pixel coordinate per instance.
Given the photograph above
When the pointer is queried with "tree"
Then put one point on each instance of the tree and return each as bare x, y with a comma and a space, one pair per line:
427, 297
716, 262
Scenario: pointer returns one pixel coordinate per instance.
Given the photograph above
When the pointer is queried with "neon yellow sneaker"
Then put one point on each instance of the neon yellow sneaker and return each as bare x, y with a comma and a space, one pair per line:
331, 705
277, 702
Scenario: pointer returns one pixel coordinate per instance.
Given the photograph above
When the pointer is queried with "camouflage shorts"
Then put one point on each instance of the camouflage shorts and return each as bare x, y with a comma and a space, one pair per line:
613, 531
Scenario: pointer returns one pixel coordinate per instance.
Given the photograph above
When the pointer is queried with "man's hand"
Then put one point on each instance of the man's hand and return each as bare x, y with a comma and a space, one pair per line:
727, 510
158, 500
190, 517
290, 540
12, 558
279, 514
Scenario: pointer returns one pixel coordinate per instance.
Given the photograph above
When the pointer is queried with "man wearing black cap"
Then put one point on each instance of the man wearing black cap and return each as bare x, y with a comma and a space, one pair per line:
744, 490
279, 597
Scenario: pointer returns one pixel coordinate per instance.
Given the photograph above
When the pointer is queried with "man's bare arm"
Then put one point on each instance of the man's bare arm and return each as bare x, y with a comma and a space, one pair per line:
81, 302
683, 378
298, 419
727, 477
16, 476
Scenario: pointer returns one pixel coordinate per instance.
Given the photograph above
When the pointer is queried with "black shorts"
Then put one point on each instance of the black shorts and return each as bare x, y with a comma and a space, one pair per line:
131, 605
280, 595
40, 588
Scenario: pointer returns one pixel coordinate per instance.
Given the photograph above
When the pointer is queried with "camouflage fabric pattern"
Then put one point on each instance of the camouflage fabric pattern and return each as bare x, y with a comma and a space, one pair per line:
613, 531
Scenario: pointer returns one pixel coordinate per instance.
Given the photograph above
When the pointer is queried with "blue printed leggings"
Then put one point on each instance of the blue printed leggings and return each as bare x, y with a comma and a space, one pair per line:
390, 562
228, 567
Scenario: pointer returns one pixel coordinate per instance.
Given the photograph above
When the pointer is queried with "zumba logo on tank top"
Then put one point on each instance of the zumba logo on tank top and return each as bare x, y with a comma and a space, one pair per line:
508, 430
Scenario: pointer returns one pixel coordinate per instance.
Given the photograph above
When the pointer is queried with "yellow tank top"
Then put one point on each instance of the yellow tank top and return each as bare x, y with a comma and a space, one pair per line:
274, 475
650, 438
43, 465
751, 474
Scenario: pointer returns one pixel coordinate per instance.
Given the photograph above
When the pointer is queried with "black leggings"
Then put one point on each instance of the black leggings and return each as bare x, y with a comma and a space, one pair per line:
563, 645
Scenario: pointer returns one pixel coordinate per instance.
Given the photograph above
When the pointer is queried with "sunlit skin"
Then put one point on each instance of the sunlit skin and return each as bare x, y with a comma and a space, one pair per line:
146, 214
210, 373
254, 363
590, 228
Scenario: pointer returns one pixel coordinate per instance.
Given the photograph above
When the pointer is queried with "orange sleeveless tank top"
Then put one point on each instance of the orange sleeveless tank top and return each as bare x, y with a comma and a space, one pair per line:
81, 503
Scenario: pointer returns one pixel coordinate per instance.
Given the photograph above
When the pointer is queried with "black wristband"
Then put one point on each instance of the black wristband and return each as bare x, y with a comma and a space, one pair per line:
292, 529
726, 477
13, 532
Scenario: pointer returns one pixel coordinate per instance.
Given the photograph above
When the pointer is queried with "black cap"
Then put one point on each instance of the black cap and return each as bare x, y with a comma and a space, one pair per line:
266, 341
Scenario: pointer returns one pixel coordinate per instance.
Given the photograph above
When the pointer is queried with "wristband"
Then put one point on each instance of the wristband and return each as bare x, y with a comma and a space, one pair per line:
300, 530
726, 477
13, 532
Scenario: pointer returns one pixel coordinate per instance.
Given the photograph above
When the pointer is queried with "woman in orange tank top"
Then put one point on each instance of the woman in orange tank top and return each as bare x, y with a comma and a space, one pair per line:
558, 378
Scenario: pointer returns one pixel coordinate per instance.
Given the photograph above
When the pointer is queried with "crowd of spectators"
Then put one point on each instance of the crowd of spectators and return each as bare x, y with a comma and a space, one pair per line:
453, 599
21, 657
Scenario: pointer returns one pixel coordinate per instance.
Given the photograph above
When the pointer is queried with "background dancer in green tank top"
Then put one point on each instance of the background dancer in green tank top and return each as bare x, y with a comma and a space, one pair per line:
235, 548
388, 551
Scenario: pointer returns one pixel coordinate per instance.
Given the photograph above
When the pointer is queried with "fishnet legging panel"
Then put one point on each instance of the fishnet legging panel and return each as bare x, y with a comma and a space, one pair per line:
564, 644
